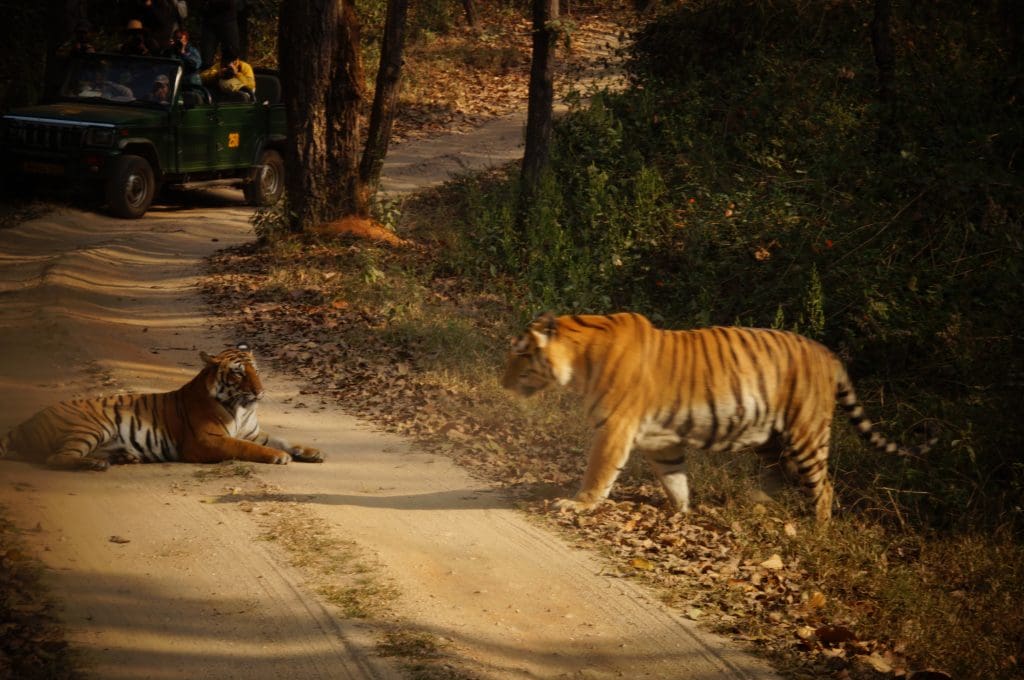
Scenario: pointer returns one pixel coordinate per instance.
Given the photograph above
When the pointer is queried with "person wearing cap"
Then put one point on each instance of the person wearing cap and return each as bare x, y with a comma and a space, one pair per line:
81, 43
159, 17
161, 92
232, 77
138, 41
182, 50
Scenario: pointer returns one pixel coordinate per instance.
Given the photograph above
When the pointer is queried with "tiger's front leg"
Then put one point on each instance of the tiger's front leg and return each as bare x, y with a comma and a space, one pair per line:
216, 449
609, 451
298, 452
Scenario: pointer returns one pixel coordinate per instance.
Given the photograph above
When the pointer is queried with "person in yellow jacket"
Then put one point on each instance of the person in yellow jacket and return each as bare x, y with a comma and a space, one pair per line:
232, 77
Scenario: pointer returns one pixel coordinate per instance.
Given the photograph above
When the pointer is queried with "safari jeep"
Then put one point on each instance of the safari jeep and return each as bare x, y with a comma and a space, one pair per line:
123, 126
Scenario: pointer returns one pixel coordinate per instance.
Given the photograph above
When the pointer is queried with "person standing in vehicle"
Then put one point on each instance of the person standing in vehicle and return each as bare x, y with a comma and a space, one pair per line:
138, 41
219, 20
159, 17
186, 52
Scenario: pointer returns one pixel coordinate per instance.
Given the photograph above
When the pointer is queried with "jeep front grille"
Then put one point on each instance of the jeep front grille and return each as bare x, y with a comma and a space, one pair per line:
38, 135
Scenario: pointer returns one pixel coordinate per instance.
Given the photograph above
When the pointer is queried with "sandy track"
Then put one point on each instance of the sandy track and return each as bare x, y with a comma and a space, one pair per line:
90, 305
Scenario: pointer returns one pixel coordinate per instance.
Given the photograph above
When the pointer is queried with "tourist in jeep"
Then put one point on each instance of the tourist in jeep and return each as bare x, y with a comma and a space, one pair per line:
231, 77
185, 52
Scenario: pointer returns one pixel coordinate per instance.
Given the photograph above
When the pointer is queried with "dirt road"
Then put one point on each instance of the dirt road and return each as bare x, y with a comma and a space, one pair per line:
165, 571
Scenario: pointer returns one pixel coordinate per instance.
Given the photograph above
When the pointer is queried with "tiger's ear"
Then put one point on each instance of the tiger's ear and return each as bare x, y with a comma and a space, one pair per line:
545, 324
543, 328
243, 346
207, 359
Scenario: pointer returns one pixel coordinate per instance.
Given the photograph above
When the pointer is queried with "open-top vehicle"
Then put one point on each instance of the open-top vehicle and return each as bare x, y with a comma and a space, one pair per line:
124, 126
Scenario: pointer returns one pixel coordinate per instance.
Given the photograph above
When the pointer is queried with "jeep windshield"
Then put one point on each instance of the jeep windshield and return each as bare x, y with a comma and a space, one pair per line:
120, 79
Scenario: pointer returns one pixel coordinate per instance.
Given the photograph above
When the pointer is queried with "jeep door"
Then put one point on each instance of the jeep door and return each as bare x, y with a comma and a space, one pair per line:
198, 132
218, 136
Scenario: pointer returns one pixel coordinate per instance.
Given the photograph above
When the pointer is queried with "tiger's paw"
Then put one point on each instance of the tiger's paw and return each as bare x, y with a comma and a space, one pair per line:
574, 505
97, 464
282, 458
306, 454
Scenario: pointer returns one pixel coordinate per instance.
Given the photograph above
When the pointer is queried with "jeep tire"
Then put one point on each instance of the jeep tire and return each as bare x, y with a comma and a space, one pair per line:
131, 187
266, 183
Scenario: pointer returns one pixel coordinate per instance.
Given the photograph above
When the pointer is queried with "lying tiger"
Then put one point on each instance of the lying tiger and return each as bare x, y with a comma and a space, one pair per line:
210, 419
718, 389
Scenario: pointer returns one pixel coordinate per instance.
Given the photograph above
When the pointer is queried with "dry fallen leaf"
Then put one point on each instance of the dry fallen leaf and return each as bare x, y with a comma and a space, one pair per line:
118, 539
876, 661
774, 562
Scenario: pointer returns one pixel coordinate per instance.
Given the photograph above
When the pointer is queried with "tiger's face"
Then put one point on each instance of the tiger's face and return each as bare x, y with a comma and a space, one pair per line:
535, 359
526, 370
236, 381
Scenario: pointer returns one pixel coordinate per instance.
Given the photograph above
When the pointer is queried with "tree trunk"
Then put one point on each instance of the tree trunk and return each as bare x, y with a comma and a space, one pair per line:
385, 97
885, 62
542, 94
318, 45
470, 7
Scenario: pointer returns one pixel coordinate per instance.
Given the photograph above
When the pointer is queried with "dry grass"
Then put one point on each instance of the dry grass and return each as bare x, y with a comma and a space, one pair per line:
419, 352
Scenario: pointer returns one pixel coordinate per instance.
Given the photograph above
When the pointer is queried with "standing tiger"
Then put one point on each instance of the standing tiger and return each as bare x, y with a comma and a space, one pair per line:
719, 389
210, 419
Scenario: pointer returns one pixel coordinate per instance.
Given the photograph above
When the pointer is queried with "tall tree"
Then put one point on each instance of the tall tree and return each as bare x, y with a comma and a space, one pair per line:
385, 97
470, 7
318, 43
539, 123
321, 64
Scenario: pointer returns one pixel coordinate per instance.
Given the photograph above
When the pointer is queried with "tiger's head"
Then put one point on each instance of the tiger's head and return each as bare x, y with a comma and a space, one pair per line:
537, 358
233, 379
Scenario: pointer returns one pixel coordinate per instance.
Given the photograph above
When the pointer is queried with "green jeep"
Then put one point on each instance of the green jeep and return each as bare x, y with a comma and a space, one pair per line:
111, 128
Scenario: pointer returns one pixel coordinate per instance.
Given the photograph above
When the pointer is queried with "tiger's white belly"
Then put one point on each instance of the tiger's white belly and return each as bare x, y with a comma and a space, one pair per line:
733, 431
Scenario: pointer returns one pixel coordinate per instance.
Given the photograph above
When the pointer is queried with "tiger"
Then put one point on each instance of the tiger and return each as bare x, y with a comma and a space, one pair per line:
210, 419
661, 392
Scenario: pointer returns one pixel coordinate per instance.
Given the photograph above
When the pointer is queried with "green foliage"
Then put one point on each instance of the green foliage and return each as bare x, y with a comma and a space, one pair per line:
741, 181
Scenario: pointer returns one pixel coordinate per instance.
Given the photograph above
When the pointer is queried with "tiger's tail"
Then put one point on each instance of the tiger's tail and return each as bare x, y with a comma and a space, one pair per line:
847, 398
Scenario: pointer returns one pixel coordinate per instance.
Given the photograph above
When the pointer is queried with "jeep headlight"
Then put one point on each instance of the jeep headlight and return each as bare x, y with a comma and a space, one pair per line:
99, 136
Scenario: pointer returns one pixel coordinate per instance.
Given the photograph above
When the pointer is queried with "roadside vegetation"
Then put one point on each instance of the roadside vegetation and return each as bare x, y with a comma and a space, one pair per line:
748, 176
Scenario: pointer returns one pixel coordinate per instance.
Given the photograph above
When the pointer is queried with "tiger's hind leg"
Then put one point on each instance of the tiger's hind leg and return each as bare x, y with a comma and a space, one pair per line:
773, 473
73, 460
669, 465
810, 464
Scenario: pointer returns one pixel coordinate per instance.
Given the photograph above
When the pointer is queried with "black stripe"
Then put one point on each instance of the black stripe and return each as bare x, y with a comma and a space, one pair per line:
133, 431
674, 345
586, 324
709, 394
673, 461
762, 387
